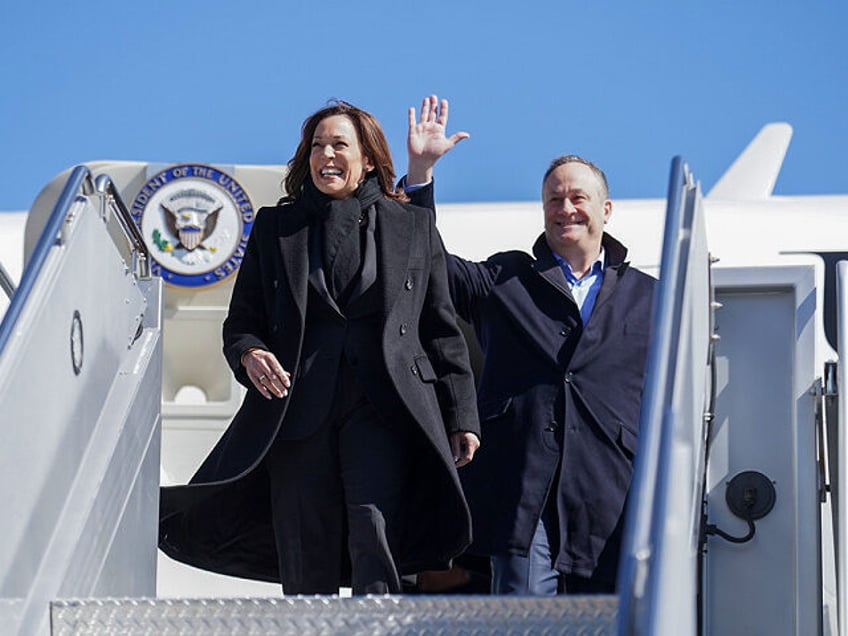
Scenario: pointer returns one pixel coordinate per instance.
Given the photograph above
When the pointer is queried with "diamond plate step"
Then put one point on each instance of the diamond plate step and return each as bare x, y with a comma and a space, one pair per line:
371, 616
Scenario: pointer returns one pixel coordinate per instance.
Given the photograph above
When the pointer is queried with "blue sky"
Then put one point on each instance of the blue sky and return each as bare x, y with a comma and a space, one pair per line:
628, 85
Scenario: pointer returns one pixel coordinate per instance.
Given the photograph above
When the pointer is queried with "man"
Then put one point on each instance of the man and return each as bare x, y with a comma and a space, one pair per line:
564, 334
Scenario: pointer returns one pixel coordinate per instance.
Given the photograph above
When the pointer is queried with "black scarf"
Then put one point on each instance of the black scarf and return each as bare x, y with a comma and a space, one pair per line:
347, 236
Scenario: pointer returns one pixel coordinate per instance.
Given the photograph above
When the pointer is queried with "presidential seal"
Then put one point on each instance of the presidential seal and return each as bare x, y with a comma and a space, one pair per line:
195, 220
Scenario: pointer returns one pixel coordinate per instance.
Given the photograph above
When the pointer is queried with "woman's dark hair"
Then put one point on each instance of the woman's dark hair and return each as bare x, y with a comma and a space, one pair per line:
371, 138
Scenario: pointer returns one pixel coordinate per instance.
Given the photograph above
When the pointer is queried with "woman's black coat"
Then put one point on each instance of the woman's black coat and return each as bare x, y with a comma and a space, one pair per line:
221, 520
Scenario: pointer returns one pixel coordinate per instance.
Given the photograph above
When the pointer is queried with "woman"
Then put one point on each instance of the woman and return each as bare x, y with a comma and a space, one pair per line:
360, 405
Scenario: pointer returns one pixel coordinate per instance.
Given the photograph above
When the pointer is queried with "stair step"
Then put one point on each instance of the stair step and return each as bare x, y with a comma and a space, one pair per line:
370, 615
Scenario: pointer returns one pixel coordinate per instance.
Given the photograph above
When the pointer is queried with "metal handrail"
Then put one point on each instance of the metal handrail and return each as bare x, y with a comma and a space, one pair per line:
78, 182
105, 187
6, 282
638, 551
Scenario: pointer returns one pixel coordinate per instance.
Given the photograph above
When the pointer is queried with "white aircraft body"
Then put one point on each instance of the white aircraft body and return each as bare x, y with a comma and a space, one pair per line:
749, 319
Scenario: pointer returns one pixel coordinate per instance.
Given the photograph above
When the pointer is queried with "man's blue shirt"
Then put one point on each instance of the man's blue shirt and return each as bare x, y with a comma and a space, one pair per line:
584, 290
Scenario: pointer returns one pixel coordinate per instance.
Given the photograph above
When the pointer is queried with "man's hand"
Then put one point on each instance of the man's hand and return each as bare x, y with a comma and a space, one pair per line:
463, 446
426, 141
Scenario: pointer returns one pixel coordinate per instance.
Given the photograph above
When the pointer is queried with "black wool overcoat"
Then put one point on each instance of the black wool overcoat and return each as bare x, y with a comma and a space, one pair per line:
221, 520
559, 403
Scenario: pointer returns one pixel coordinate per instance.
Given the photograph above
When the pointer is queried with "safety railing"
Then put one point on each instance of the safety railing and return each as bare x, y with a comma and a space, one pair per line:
79, 183
110, 198
658, 579
6, 283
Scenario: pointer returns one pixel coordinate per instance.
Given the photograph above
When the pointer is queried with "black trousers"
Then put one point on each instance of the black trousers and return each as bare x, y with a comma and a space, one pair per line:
343, 484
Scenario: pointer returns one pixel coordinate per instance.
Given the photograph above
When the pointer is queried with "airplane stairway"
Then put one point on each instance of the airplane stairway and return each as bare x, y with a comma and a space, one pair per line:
80, 387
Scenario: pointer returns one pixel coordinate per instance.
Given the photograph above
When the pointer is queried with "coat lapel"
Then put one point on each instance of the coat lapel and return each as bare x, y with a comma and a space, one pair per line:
549, 268
395, 228
614, 268
294, 251
611, 275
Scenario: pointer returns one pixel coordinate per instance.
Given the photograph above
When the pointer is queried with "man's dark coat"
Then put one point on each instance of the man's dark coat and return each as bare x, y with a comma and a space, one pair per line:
559, 402
417, 370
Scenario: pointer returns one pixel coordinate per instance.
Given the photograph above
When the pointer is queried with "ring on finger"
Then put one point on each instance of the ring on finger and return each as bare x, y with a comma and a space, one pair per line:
261, 377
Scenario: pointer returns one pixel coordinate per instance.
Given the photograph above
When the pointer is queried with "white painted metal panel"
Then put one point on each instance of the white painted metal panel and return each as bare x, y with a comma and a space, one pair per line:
80, 387
765, 422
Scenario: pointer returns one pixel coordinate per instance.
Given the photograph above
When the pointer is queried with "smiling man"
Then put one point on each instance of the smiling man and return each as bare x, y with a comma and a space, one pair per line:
577, 206
564, 334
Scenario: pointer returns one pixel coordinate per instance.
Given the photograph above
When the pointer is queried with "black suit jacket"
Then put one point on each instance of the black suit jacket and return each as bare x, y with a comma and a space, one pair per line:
221, 520
559, 402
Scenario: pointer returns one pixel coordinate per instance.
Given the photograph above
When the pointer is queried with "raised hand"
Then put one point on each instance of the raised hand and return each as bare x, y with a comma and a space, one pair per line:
427, 140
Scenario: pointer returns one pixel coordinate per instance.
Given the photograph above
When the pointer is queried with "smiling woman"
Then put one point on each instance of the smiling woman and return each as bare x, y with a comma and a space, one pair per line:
337, 164
360, 392
353, 135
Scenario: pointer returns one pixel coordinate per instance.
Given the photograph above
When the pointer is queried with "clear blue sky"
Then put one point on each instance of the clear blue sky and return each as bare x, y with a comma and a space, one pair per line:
626, 84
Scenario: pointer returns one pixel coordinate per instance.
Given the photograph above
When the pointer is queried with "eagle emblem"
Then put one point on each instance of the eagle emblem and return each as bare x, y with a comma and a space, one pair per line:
196, 220
191, 215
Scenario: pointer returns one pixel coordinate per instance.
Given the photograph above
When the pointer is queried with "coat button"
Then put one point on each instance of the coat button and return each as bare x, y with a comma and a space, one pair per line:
408, 284
563, 332
569, 376
551, 427
403, 329
414, 369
